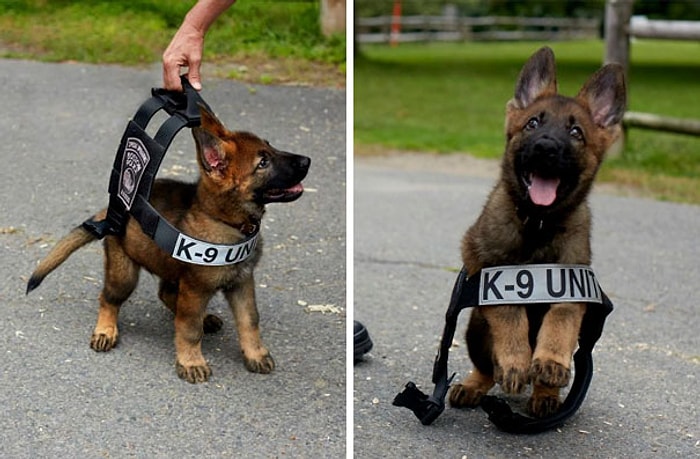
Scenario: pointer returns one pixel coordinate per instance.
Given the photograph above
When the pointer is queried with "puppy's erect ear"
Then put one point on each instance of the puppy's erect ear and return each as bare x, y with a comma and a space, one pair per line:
605, 95
211, 150
210, 122
537, 79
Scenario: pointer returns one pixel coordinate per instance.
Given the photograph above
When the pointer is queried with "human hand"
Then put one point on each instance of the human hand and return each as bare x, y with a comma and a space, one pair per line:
185, 50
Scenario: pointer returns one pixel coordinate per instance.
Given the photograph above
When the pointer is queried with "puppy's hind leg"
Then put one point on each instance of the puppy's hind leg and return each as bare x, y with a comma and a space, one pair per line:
471, 390
120, 279
167, 292
477, 384
544, 401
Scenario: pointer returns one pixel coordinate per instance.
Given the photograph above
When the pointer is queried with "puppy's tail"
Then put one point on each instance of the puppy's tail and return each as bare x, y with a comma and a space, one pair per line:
60, 252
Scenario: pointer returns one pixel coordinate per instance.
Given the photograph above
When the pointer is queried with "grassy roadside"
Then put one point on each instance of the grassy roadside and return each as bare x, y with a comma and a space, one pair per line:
260, 42
451, 98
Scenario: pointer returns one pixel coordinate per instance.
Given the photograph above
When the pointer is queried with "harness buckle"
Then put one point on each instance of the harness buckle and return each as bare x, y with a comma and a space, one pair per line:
426, 408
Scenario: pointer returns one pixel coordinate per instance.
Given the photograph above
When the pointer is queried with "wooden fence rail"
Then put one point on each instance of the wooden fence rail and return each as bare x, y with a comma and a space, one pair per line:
662, 123
457, 28
641, 27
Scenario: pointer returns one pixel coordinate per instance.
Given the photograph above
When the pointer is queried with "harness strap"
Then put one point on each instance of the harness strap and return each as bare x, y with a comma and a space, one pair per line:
465, 294
428, 408
147, 110
134, 170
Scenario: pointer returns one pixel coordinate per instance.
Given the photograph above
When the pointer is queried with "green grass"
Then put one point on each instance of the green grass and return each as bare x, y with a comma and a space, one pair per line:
451, 98
136, 32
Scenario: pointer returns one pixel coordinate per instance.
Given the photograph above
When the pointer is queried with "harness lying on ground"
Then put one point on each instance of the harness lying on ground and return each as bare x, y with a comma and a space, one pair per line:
135, 167
523, 284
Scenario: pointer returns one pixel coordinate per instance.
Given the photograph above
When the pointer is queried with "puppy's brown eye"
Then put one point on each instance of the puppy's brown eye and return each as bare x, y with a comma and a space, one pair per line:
576, 133
532, 123
264, 163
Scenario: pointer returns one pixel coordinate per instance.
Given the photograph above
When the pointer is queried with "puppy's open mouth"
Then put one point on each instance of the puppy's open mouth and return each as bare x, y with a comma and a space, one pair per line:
542, 191
284, 195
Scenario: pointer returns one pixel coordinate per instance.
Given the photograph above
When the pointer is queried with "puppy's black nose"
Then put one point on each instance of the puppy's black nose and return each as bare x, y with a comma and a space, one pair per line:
303, 163
546, 147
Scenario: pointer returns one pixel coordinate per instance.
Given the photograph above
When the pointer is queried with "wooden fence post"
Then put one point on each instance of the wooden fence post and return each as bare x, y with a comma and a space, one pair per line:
617, 41
617, 49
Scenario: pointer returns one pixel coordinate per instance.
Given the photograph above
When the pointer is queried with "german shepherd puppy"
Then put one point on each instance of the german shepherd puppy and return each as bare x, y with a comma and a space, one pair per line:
538, 213
239, 174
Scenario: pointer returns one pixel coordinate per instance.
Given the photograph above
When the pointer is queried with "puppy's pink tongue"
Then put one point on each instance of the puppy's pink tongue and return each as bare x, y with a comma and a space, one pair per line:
543, 191
298, 188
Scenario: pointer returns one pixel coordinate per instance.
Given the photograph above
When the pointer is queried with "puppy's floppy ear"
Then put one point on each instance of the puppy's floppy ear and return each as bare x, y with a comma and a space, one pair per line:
211, 151
605, 95
537, 78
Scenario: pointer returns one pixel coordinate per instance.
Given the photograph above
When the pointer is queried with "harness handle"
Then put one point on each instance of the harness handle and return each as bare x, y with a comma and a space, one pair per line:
183, 104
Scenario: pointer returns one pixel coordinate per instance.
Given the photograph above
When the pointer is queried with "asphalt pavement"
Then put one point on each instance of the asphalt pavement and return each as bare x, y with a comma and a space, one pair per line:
410, 214
60, 126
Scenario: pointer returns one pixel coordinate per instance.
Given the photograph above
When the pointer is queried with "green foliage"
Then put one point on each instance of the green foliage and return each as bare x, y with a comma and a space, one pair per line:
104, 32
687, 10
170, 11
448, 97
281, 29
137, 31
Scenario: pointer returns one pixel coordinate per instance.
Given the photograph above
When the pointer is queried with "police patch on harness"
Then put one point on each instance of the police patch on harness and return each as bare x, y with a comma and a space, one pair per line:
134, 162
538, 284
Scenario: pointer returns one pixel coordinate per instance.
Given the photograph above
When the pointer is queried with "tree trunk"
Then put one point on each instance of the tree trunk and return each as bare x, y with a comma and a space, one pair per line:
332, 16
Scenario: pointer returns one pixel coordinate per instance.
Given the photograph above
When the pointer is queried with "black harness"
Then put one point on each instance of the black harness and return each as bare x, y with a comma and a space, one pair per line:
135, 167
470, 292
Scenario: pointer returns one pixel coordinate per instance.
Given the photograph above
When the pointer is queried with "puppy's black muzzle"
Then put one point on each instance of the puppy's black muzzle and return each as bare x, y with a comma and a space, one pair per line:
300, 164
289, 170
546, 156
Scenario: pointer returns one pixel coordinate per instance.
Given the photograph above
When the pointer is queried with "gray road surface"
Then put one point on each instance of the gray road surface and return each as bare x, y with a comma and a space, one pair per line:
60, 126
410, 213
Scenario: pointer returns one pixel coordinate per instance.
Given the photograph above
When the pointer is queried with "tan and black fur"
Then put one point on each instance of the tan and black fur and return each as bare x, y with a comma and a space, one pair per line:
538, 213
239, 174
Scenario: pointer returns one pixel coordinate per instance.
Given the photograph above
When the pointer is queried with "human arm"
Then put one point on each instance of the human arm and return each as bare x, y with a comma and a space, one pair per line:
185, 49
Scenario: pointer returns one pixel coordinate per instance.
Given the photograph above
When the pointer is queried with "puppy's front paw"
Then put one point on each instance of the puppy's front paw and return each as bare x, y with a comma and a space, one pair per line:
549, 373
193, 373
263, 364
512, 380
104, 340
